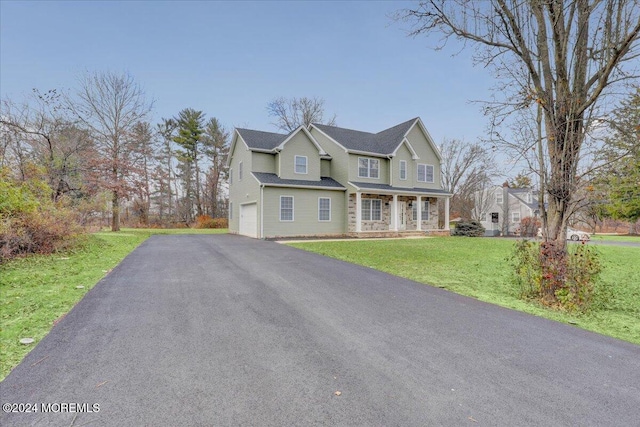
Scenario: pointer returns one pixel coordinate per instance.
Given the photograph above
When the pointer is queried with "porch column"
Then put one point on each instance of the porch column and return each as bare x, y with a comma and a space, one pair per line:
394, 213
419, 213
358, 212
446, 213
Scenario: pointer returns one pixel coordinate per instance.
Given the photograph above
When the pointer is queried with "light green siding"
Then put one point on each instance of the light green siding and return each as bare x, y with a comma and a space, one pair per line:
427, 156
383, 175
299, 145
340, 159
245, 190
325, 167
339, 163
403, 153
305, 213
263, 162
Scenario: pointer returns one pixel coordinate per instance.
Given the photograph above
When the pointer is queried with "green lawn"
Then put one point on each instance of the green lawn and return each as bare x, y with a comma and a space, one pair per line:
37, 290
476, 267
615, 238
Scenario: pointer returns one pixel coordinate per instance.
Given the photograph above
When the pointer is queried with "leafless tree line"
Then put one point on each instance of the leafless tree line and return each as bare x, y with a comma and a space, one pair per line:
98, 149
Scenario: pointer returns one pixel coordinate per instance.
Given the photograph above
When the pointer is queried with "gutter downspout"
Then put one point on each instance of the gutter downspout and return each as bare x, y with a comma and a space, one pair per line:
261, 211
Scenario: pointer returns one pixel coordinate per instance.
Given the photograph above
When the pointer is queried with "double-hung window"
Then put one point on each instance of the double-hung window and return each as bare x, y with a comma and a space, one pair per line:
301, 164
499, 198
425, 173
403, 170
324, 209
425, 210
368, 168
371, 210
515, 216
286, 208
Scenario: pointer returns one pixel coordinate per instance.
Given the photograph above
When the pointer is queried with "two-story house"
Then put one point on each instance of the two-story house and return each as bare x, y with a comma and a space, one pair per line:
326, 180
500, 209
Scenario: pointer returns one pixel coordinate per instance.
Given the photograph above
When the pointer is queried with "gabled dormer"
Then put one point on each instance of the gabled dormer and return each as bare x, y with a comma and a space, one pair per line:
289, 156
298, 156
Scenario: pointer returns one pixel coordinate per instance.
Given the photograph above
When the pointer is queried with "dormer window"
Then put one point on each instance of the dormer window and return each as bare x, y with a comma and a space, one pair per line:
368, 168
301, 164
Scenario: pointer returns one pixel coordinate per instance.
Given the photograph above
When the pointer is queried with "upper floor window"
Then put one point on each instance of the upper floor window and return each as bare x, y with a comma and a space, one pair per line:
499, 198
368, 168
230, 176
301, 164
425, 173
324, 209
371, 210
403, 170
240, 171
515, 216
286, 208
528, 197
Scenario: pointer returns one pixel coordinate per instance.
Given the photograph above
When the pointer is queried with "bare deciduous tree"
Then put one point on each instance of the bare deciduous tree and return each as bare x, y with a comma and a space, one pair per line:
41, 131
292, 113
466, 169
561, 58
110, 105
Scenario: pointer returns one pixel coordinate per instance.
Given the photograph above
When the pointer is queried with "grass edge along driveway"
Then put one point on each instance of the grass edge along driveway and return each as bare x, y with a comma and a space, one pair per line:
38, 290
478, 268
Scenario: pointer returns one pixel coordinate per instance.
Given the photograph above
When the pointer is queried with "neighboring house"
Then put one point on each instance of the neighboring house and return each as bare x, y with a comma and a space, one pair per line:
330, 181
500, 209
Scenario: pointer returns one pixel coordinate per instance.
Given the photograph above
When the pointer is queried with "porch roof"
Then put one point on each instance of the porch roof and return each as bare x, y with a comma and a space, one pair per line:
388, 189
273, 180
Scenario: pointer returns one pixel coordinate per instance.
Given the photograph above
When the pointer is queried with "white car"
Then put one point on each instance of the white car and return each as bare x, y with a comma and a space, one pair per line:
575, 235
572, 234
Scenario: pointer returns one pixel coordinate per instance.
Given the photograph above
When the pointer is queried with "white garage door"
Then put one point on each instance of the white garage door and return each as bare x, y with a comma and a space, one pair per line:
249, 220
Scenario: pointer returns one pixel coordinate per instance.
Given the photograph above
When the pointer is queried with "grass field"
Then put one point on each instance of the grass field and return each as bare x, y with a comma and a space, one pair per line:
38, 290
477, 267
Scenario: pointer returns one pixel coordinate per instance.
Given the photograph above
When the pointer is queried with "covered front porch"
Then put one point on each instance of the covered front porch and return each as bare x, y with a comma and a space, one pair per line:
393, 212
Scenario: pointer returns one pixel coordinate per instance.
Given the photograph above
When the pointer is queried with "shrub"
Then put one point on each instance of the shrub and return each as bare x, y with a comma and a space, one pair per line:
469, 229
205, 221
29, 221
567, 280
529, 226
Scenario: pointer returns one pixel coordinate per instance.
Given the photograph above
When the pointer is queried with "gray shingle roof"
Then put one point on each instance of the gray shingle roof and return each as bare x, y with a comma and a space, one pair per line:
519, 194
384, 142
273, 179
390, 189
260, 140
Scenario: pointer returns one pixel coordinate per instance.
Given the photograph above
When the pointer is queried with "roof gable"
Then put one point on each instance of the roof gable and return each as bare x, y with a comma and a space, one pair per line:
304, 130
259, 140
383, 143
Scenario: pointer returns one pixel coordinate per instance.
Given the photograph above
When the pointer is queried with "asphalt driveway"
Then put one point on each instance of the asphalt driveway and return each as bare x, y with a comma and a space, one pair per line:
221, 330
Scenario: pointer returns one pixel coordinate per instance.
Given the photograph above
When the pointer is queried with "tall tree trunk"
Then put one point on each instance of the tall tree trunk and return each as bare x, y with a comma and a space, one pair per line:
197, 187
115, 208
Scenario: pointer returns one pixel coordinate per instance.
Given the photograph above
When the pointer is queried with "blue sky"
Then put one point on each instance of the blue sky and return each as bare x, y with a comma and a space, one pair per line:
229, 59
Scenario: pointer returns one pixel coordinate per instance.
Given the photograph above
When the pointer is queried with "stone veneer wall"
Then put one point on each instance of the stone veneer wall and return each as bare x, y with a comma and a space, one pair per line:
385, 222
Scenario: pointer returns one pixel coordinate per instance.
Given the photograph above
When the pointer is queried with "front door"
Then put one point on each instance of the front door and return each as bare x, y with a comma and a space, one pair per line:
402, 215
